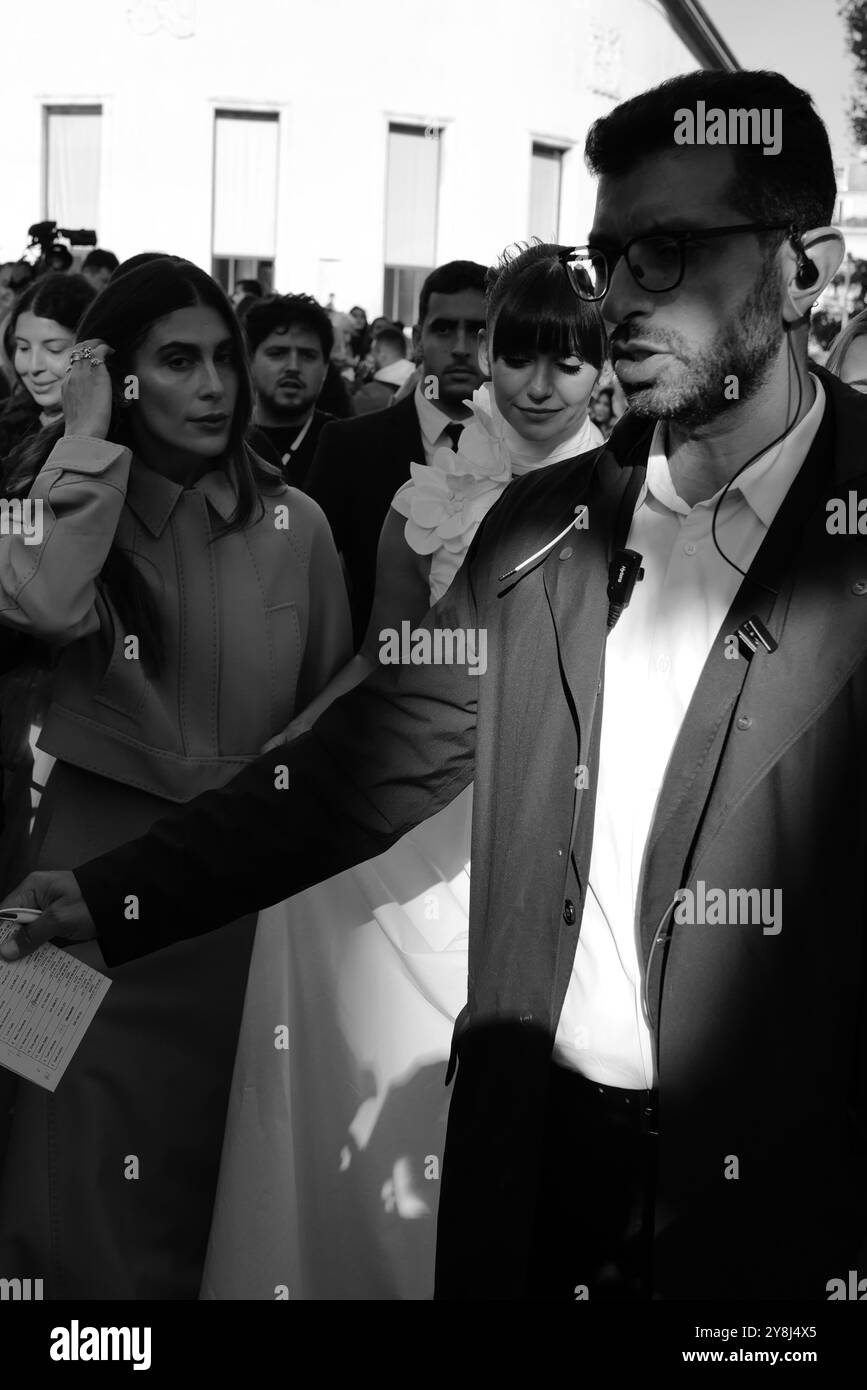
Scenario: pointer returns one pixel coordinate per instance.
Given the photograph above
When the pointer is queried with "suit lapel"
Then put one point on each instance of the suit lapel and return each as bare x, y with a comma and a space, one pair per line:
402, 434
575, 572
775, 696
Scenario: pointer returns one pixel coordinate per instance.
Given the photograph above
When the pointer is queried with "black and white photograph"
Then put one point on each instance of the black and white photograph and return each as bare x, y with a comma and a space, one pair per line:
433, 672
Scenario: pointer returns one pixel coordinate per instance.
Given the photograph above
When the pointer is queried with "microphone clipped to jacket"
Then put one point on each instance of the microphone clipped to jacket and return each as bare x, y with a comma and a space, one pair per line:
624, 573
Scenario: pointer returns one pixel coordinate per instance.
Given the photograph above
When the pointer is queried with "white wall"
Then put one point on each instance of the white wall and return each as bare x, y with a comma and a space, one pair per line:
496, 73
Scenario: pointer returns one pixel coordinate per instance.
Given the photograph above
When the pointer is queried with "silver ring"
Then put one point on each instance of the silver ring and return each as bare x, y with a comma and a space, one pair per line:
79, 354
97, 362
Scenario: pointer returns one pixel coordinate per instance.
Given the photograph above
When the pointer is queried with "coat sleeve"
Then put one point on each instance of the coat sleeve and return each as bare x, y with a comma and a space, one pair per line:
48, 578
392, 752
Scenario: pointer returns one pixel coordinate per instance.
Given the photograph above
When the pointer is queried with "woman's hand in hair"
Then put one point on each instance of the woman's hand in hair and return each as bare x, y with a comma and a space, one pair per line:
87, 389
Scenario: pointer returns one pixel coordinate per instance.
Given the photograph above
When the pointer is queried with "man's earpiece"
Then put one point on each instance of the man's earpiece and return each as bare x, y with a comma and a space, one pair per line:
807, 272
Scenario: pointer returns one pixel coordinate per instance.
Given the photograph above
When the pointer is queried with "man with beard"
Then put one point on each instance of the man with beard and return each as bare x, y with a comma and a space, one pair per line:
648, 1104
290, 340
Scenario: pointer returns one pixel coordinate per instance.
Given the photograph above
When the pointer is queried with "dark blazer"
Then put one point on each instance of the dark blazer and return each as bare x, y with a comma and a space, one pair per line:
295, 465
358, 467
761, 1039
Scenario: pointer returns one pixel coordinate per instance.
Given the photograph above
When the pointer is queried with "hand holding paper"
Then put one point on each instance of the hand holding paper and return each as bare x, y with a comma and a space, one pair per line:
62, 912
46, 1005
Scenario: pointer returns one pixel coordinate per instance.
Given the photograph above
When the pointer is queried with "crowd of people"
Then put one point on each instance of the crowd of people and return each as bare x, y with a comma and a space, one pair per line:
242, 495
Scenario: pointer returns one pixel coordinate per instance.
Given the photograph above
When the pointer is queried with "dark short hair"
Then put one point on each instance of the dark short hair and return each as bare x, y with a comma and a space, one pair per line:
451, 278
21, 274
390, 333
249, 287
285, 311
100, 260
58, 252
532, 307
797, 185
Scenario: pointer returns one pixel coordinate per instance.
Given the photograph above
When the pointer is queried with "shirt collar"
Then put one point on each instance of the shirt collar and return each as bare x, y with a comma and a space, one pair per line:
763, 485
153, 498
432, 421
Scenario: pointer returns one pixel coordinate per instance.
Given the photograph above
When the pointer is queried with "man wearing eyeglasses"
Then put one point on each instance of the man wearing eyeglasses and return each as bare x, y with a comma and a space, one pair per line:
661, 1088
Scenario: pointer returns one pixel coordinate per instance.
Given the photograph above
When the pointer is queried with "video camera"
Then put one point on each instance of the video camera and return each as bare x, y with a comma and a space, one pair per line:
46, 235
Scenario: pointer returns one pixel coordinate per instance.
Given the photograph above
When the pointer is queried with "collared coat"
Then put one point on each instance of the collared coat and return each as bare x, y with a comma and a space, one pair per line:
107, 1184
761, 1040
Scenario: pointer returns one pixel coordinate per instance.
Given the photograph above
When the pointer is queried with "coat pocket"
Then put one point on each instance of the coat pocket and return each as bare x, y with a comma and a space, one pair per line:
285, 654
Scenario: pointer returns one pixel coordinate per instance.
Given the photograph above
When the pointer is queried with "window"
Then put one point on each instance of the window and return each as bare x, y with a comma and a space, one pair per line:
411, 200
245, 196
72, 137
546, 169
228, 270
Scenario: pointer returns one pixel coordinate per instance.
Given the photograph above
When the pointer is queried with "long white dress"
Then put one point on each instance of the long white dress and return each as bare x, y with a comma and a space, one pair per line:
329, 1182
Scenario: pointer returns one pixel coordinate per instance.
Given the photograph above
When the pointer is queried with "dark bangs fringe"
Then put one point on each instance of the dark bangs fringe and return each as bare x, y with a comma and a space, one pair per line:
541, 313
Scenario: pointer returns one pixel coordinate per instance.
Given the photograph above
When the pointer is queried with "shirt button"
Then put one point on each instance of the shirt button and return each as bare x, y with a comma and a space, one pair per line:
689, 548
566, 552
559, 854
860, 586
663, 664
744, 721
570, 916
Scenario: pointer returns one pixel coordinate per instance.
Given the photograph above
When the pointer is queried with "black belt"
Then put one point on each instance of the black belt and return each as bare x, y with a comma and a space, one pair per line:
640, 1103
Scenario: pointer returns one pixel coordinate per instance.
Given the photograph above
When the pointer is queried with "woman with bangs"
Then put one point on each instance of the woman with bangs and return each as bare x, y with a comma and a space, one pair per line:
193, 603
329, 1184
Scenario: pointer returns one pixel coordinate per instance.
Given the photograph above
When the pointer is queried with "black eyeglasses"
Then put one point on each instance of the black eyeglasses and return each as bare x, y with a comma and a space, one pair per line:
656, 262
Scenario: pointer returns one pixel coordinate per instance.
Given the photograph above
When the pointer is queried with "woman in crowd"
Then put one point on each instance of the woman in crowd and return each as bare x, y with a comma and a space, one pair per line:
848, 356
196, 603
15, 276
38, 336
38, 339
329, 1179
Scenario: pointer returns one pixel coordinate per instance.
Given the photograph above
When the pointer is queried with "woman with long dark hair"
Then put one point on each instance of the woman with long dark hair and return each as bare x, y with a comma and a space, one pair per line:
38, 338
196, 603
329, 1183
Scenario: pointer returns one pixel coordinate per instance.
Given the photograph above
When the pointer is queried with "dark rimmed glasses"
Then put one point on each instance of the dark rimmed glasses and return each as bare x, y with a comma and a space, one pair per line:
657, 262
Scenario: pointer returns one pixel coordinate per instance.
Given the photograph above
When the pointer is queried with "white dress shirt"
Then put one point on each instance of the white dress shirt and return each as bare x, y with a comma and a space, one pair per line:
432, 422
653, 661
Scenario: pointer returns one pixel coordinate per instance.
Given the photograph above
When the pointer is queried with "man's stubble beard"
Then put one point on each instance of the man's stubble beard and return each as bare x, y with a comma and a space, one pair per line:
744, 349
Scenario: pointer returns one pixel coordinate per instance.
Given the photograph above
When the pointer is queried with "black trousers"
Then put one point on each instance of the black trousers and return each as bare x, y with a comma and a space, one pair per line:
594, 1219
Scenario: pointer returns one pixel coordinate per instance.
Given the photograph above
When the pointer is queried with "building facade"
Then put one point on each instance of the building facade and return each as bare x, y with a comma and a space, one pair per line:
335, 148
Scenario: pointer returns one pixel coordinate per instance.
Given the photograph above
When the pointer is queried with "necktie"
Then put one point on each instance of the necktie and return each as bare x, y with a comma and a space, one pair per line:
454, 431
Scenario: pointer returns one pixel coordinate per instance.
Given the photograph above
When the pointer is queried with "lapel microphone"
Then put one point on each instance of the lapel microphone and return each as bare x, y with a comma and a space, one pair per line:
624, 572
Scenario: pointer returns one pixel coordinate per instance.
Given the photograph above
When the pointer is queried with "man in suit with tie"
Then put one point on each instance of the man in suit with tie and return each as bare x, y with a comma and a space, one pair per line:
360, 464
661, 1084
